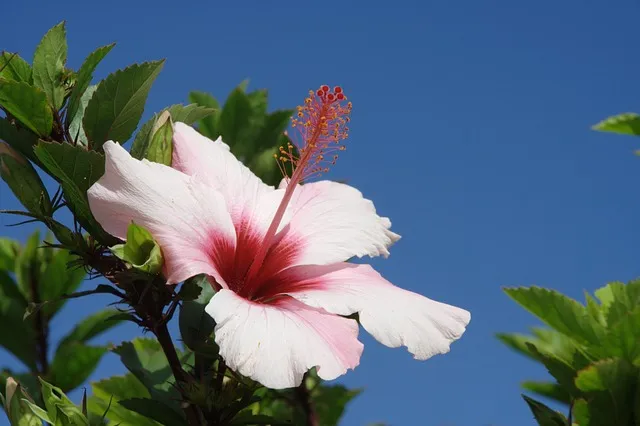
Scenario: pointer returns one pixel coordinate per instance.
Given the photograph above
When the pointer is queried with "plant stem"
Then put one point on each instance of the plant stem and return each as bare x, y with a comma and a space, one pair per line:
41, 327
304, 399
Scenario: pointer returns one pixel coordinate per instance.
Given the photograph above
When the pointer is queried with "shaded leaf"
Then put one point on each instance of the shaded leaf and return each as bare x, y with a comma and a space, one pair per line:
155, 410
49, 62
117, 105
21, 140
234, 120
93, 325
73, 363
107, 393
196, 326
17, 337
208, 125
549, 390
28, 105
247, 418
59, 278
330, 402
83, 80
544, 415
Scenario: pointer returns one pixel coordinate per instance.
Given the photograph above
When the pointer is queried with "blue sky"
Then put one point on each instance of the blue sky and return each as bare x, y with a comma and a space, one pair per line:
470, 130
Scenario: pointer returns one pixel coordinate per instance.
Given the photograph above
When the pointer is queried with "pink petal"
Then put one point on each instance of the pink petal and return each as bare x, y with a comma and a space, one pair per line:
276, 344
187, 218
331, 222
395, 317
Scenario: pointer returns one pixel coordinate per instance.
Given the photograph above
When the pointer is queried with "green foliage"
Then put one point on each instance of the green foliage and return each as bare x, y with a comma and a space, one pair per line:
625, 124
28, 105
161, 146
253, 135
49, 62
118, 103
140, 250
592, 351
13, 67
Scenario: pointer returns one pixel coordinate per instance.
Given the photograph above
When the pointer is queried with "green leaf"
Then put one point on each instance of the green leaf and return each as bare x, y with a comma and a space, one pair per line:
188, 114
21, 140
28, 105
38, 412
73, 363
106, 395
83, 80
618, 299
155, 410
274, 126
49, 62
24, 181
626, 124
190, 290
234, 120
140, 250
27, 265
117, 105
208, 126
59, 278
623, 337
77, 169
544, 415
564, 372
92, 326
9, 250
18, 411
18, 337
161, 146
247, 418
59, 407
196, 326
13, 67
330, 402
549, 390
75, 127
559, 312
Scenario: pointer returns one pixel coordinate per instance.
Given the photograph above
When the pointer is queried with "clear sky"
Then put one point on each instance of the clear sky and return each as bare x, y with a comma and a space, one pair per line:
470, 130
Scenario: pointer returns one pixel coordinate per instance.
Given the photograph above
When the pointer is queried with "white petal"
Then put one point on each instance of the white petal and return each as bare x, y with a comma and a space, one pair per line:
187, 218
395, 317
276, 344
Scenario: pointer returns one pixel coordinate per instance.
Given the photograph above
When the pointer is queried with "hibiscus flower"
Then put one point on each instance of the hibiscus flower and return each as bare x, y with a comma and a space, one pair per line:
277, 257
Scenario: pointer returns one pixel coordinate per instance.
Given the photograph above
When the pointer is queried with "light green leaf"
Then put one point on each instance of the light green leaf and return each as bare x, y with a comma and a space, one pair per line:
106, 395
24, 181
73, 363
559, 312
140, 250
13, 67
161, 146
59, 278
49, 62
188, 114
39, 412
93, 326
623, 337
155, 410
117, 105
75, 127
77, 169
544, 415
78, 99
28, 266
59, 407
208, 126
28, 105
626, 124
9, 250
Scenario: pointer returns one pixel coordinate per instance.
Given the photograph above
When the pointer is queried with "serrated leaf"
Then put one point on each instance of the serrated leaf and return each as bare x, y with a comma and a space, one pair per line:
623, 337
49, 62
28, 105
73, 363
155, 410
188, 114
549, 390
564, 372
76, 169
558, 311
544, 415
24, 181
140, 250
83, 80
75, 127
92, 326
626, 124
13, 67
207, 126
117, 105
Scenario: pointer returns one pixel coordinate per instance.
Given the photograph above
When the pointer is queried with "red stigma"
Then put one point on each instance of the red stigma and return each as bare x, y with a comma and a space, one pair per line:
337, 89
324, 88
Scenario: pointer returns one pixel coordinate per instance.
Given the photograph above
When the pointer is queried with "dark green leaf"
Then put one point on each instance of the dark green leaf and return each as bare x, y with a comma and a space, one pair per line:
58, 279
549, 390
17, 337
93, 326
13, 67
24, 181
274, 126
21, 140
115, 109
247, 418
140, 250
564, 373
264, 166
161, 146
234, 120
49, 62
544, 415
196, 326
190, 290
559, 312
75, 127
83, 80
77, 169
207, 126
155, 410
626, 124
188, 114
73, 363
330, 402
28, 105
107, 393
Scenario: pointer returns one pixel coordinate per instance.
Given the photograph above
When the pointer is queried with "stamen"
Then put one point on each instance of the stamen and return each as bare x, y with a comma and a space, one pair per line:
321, 124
